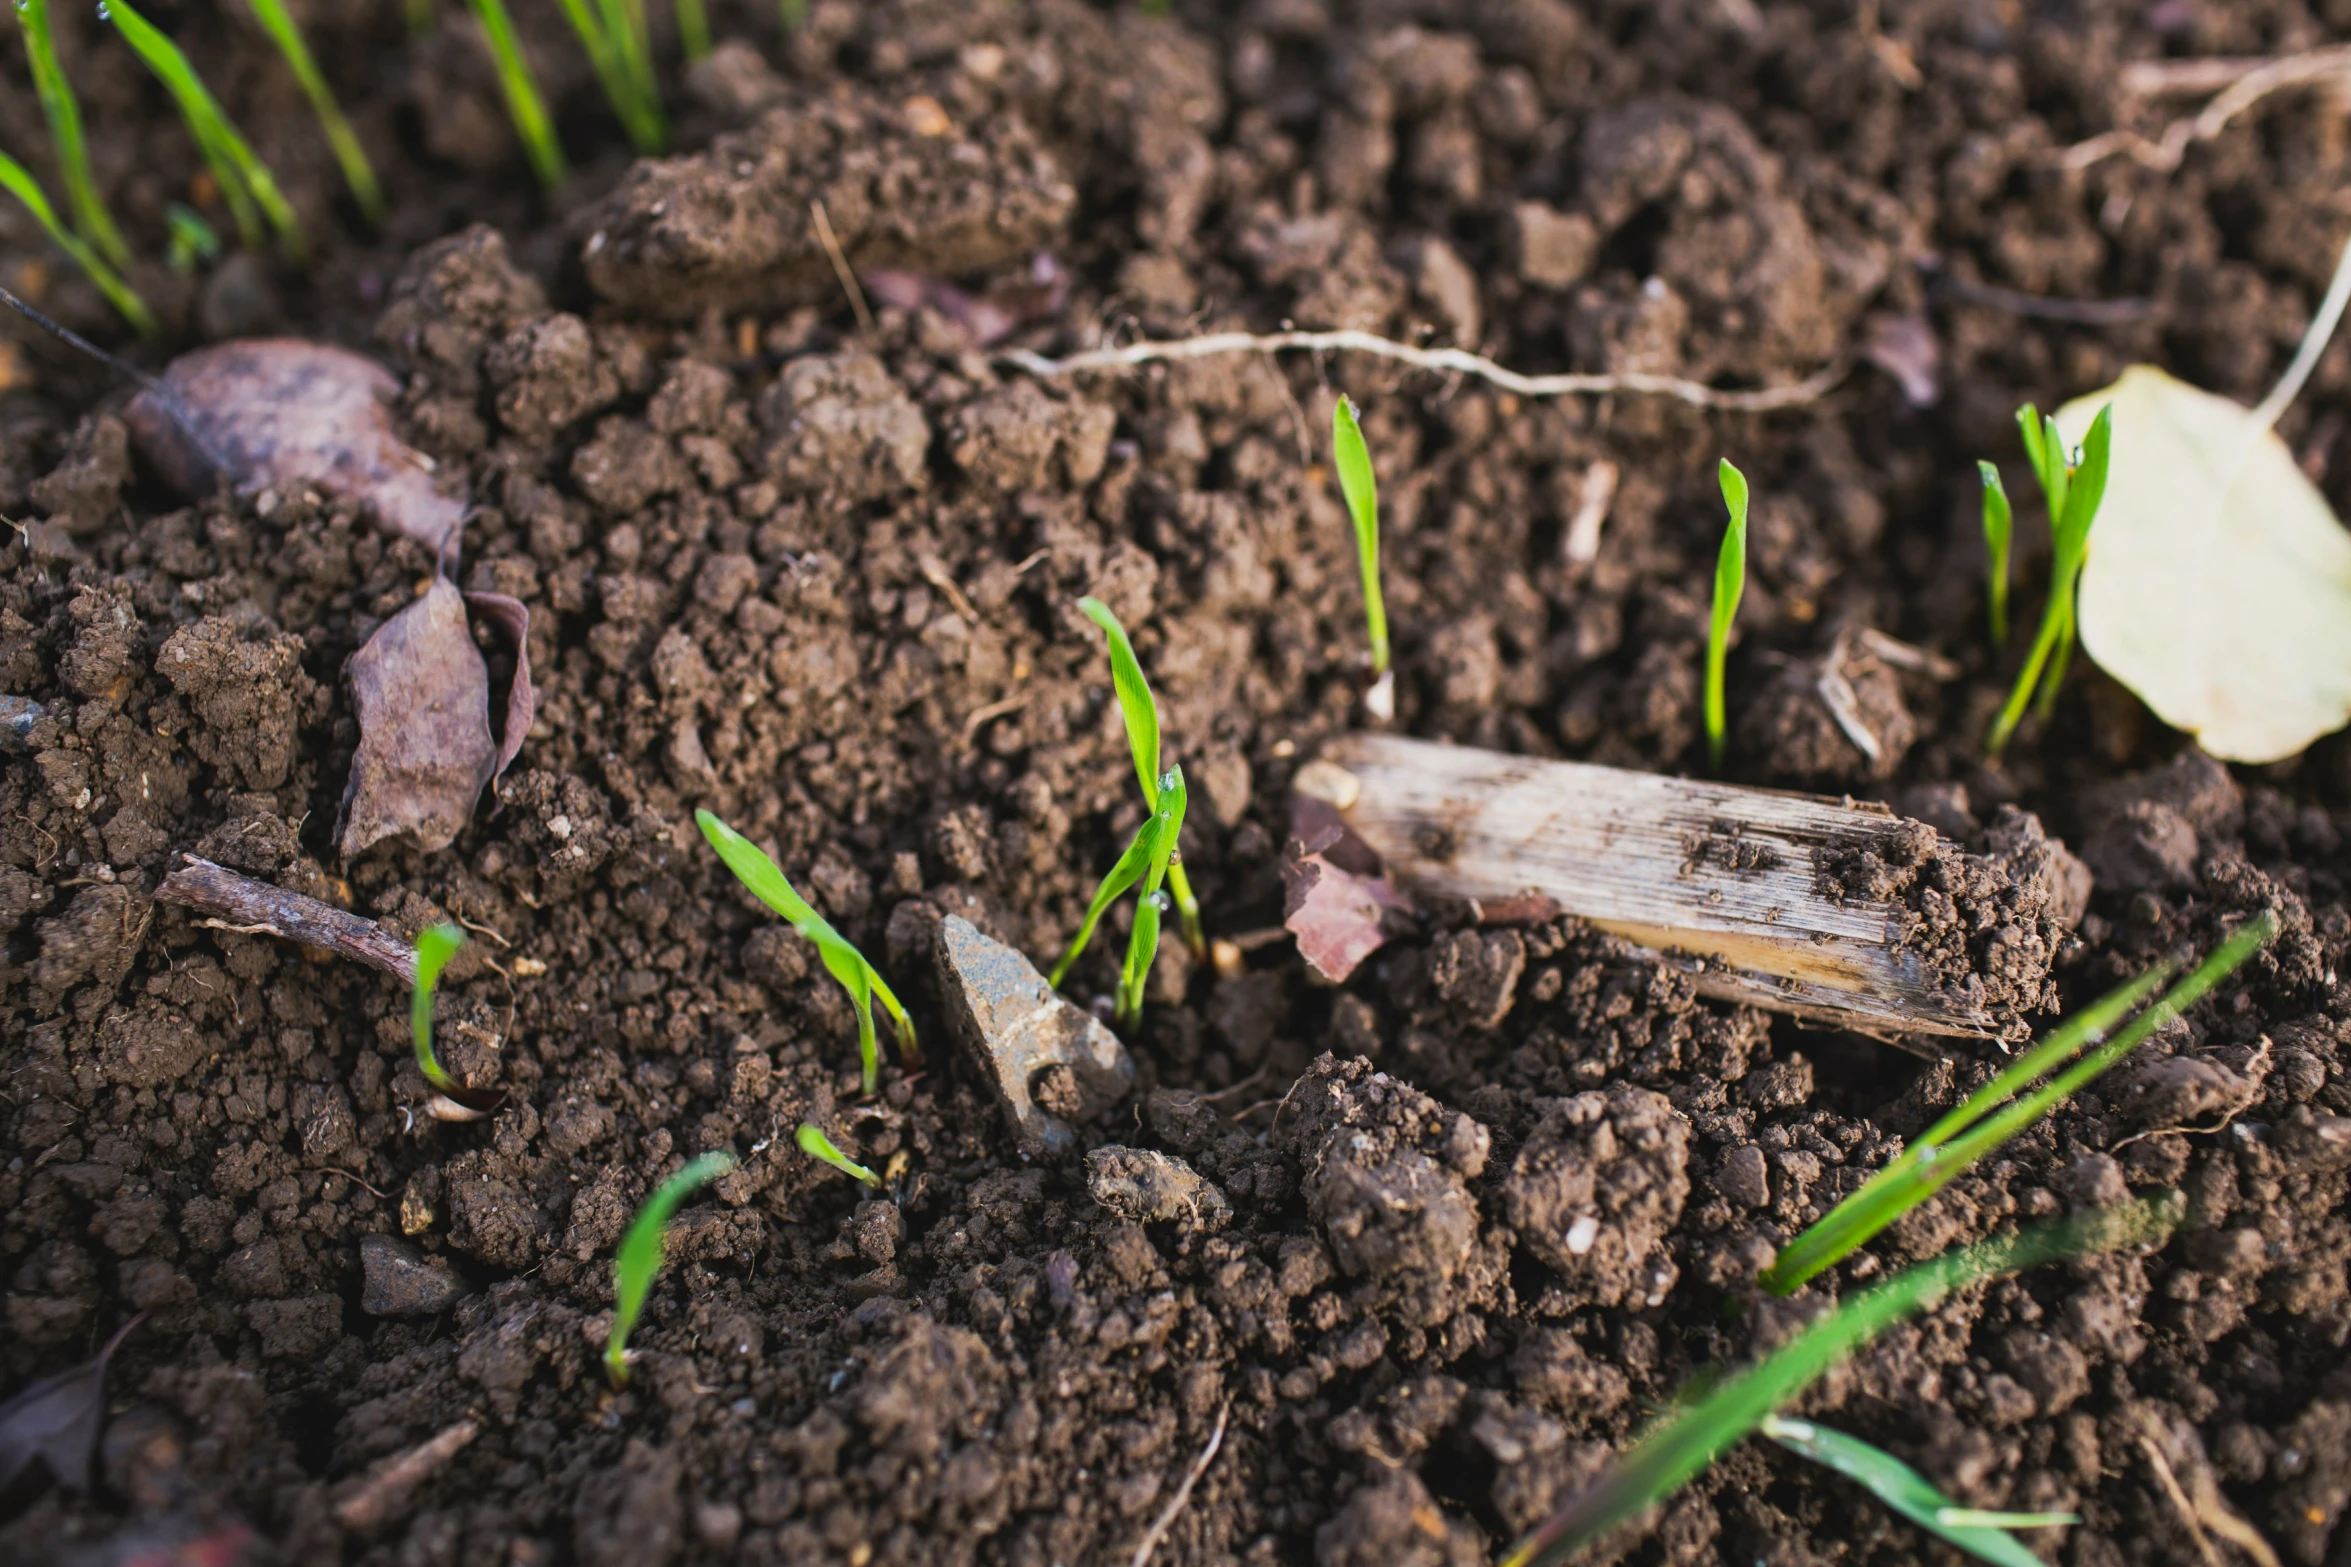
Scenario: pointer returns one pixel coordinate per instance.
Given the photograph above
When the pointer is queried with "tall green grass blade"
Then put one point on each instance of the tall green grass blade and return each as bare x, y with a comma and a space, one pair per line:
357, 172
435, 946
606, 35
639, 1258
1678, 1450
1981, 1124
1999, 530
693, 30
1143, 941
2073, 508
1361, 488
524, 105
1911, 1494
244, 179
795, 14
18, 181
1730, 582
63, 111
843, 961
1141, 711
1130, 869
816, 1145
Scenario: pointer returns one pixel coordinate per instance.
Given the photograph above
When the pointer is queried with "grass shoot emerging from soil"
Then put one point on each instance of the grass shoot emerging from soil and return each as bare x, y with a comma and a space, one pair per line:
18, 181
1998, 527
357, 172
846, 964
1140, 710
816, 1145
191, 241
1730, 581
693, 30
524, 104
639, 1257
435, 946
245, 181
1145, 865
614, 35
63, 111
1973, 1130
1981, 1534
1692, 1437
2073, 491
1353, 460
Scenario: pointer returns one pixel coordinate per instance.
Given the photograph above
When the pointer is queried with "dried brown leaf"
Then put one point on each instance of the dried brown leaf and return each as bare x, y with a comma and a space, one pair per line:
1339, 916
522, 699
55, 1422
422, 693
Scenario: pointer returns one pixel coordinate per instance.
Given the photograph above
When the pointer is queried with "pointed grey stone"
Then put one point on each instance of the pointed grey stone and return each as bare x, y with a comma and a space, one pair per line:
398, 1280
1027, 1038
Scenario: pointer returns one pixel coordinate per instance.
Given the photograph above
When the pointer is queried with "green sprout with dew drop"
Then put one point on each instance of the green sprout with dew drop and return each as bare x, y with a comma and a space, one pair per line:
18, 181
1998, 528
2073, 490
816, 1145
63, 111
1361, 488
639, 1258
344, 141
520, 88
435, 946
1980, 1125
845, 963
1143, 866
1140, 711
1730, 581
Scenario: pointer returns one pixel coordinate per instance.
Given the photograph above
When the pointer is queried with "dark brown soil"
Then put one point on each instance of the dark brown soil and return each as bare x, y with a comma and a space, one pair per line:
822, 581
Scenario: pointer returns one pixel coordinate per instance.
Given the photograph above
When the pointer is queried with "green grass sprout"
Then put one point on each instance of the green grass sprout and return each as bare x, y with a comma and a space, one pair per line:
1141, 712
1998, 520
1902, 1488
1698, 1432
63, 111
420, 17
1357, 483
18, 181
1144, 865
613, 34
524, 105
435, 946
1130, 868
1730, 581
357, 172
816, 1145
846, 964
693, 30
795, 14
2073, 492
245, 181
1980, 1125
639, 1258
192, 242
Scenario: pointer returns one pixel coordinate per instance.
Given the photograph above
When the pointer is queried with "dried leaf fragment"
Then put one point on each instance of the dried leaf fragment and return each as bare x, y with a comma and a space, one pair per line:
422, 693
510, 616
1339, 915
54, 1423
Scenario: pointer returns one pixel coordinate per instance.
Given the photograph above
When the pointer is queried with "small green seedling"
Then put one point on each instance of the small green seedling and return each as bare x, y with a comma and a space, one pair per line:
1144, 865
1358, 484
357, 172
63, 111
614, 35
794, 12
1730, 581
1998, 528
816, 1145
640, 1254
1141, 713
843, 961
693, 30
435, 946
18, 181
1978, 1126
1979, 1533
420, 17
1697, 1433
192, 242
524, 105
245, 181
2073, 491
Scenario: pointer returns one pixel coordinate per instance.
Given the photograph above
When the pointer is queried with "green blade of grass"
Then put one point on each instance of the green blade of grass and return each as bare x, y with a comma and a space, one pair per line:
1999, 529
1980, 1125
1730, 582
1129, 870
524, 106
357, 172
794, 13
420, 17
193, 241
693, 30
608, 50
18, 181
843, 961
63, 111
1143, 941
1361, 488
1911, 1494
639, 1258
1141, 711
816, 1145
2074, 507
1684, 1445
244, 179
435, 946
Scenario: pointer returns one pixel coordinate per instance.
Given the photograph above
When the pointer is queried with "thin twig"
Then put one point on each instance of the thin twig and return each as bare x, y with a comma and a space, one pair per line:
333, 1169
2039, 307
1443, 360
832, 250
2165, 153
1175, 1505
239, 903
165, 398
392, 1482
2179, 1498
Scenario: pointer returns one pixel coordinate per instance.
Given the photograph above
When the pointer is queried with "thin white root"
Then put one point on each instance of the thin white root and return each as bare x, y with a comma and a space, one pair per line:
1582, 544
2248, 88
2315, 338
1175, 1505
1453, 361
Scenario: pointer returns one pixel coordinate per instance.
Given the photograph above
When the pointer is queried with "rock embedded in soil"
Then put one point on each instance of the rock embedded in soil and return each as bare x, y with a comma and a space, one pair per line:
398, 1280
1032, 1044
1152, 1187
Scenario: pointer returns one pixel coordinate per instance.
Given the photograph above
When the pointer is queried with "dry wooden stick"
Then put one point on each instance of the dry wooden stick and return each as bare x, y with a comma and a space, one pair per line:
1740, 883
388, 1486
255, 908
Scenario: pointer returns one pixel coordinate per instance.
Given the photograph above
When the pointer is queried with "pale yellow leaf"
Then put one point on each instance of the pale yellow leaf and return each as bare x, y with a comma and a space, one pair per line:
2218, 583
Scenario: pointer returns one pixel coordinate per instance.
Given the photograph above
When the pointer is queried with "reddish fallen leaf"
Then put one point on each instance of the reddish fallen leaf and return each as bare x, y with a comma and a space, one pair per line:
422, 693
988, 318
522, 699
54, 1424
281, 411
1339, 916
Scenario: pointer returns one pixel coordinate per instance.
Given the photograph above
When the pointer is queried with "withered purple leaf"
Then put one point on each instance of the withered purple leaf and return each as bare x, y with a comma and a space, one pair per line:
1339, 916
422, 693
511, 617
54, 1423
